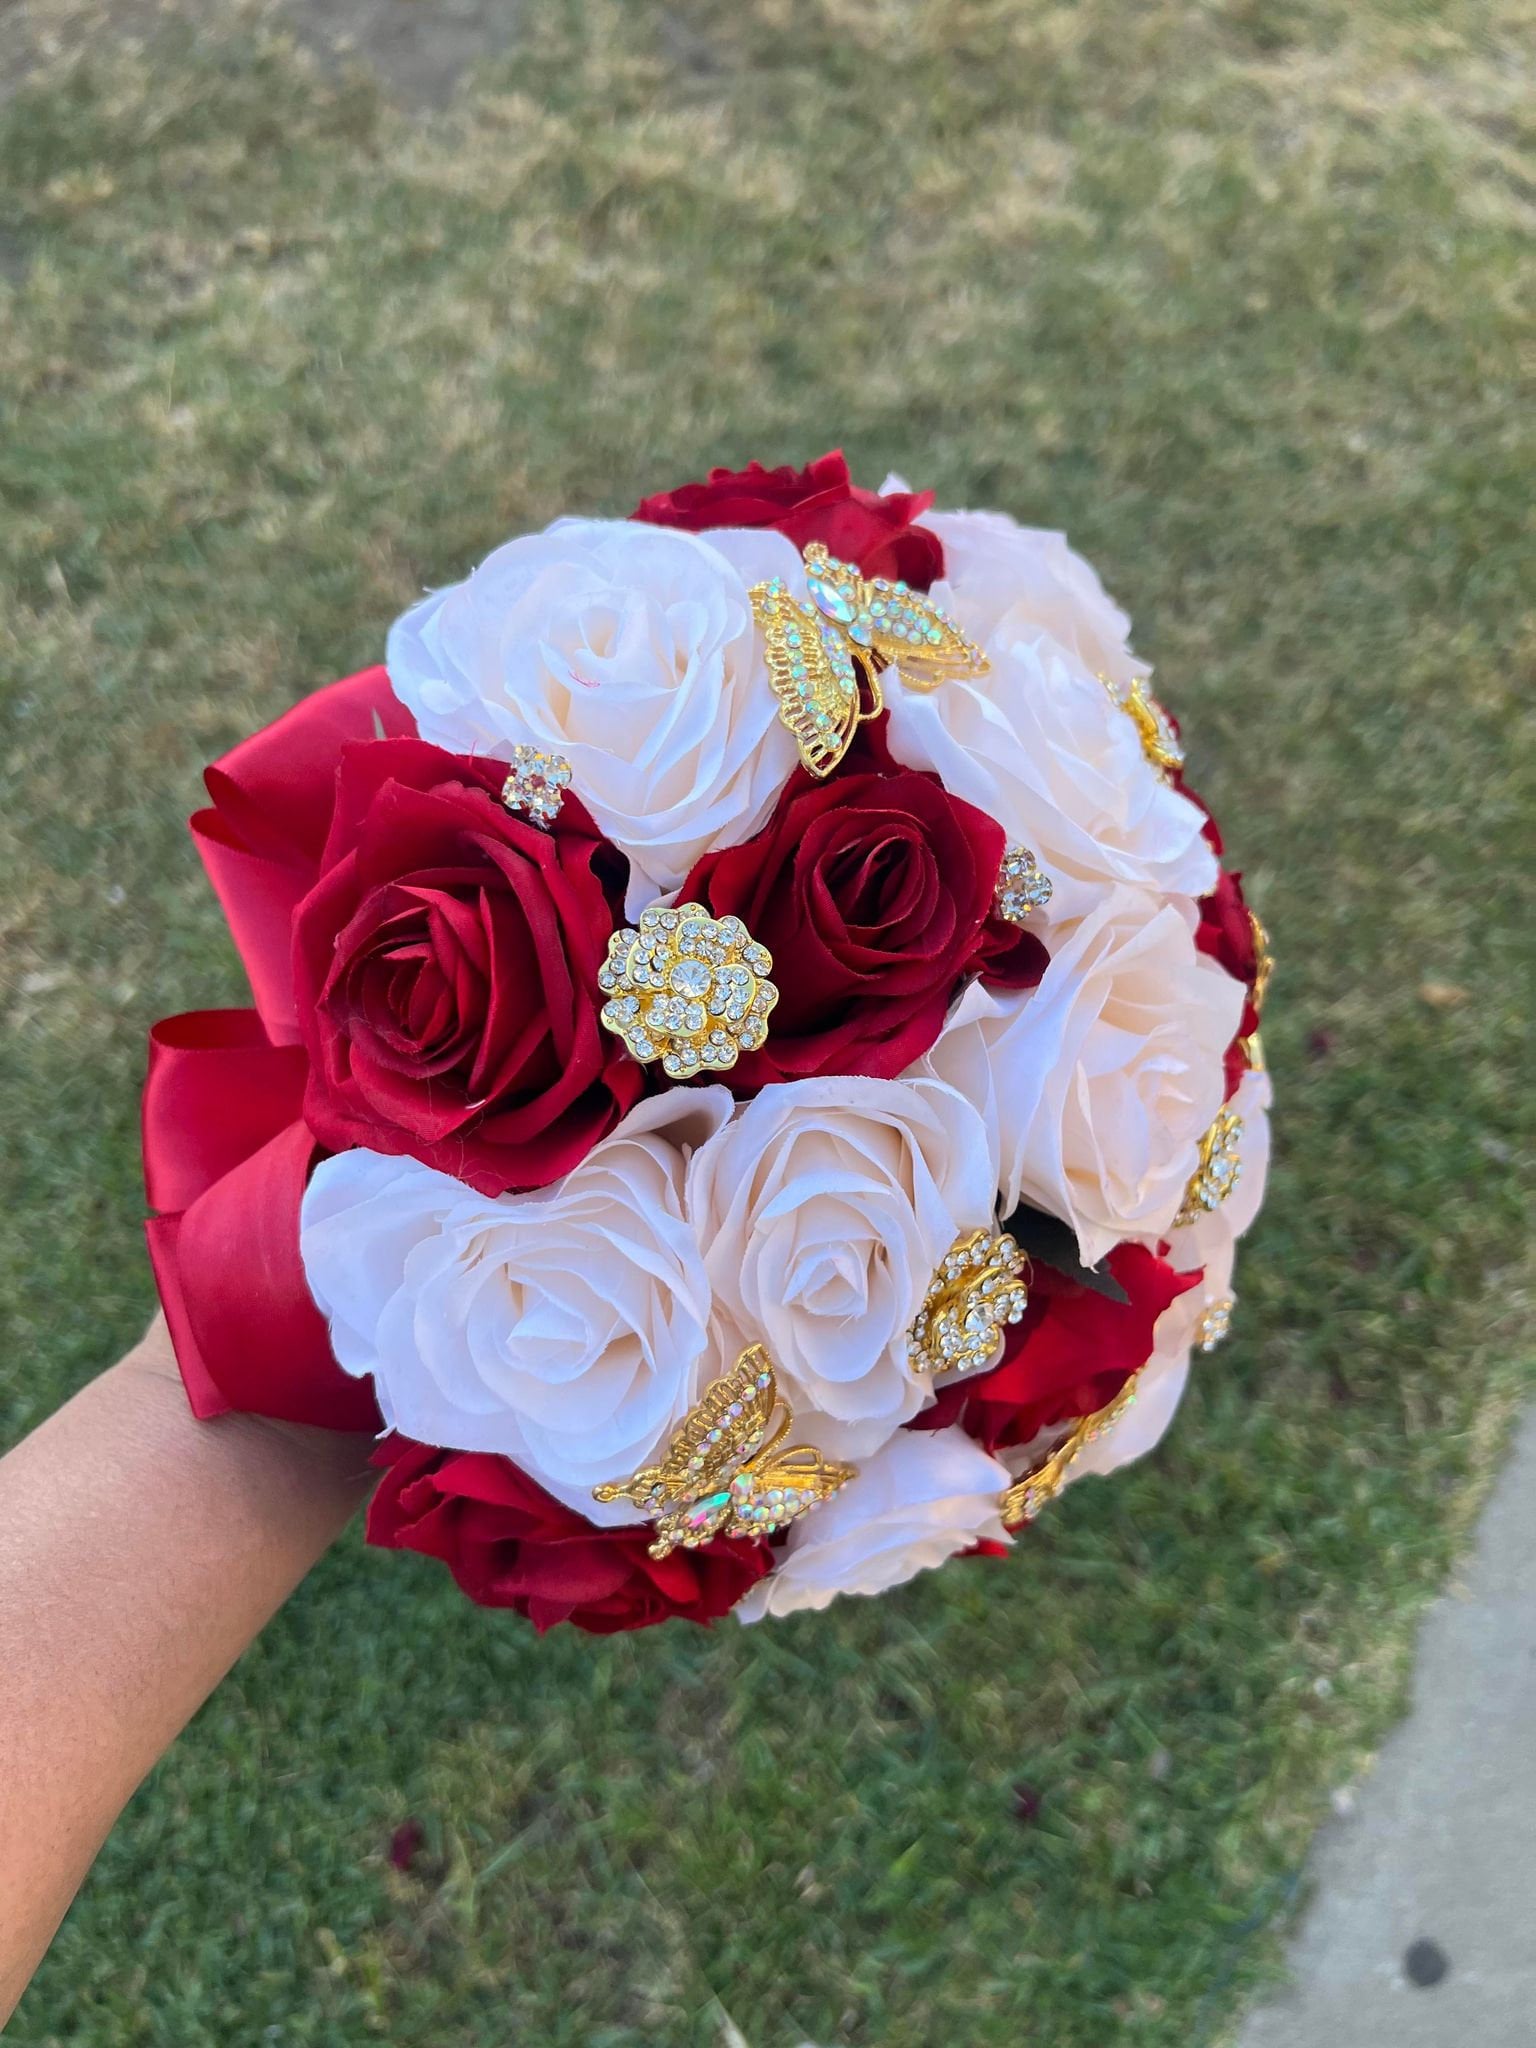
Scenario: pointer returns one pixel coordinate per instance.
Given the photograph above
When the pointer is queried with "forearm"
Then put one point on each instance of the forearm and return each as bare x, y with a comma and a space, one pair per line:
140, 1552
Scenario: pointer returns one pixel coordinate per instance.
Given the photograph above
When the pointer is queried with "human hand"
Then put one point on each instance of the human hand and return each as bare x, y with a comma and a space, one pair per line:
140, 1552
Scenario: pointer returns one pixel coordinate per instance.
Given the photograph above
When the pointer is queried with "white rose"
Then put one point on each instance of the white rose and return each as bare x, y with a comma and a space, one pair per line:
1101, 1081
565, 1329
994, 567
924, 1496
1210, 1244
824, 1210
632, 651
1037, 744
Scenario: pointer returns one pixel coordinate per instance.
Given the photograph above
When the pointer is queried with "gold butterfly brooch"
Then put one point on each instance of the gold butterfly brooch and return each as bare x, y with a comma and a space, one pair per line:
724, 1473
825, 657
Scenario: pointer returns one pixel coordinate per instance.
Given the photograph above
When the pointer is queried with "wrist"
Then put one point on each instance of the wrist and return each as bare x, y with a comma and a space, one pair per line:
333, 1461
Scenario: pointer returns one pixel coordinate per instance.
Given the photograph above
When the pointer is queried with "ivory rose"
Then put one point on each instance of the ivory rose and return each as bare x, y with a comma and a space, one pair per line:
564, 1329
1038, 745
923, 1497
1100, 1082
996, 569
823, 1211
1210, 1245
632, 651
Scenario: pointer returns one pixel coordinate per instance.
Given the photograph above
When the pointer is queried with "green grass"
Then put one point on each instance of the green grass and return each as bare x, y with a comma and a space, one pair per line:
1232, 292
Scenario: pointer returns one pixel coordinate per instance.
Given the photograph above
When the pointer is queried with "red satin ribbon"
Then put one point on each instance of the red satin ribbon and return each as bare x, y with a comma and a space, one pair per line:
262, 838
226, 1157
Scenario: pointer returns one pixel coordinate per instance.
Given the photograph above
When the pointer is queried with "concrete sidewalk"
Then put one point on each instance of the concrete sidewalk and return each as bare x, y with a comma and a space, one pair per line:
1422, 1933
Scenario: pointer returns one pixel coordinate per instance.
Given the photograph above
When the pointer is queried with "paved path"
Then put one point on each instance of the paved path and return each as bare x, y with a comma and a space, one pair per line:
1432, 1877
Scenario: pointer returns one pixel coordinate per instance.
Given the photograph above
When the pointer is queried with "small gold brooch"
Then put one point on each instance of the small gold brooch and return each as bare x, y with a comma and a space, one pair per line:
537, 784
687, 989
1214, 1324
1263, 961
1159, 742
1216, 1174
982, 1286
1252, 1046
1022, 886
1037, 1489
825, 658
723, 1473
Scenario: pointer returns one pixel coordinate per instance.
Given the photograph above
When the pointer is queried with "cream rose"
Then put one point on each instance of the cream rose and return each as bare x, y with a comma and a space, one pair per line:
632, 651
824, 1210
924, 1496
995, 569
1037, 743
1211, 1245
567, 1329
1101, 1081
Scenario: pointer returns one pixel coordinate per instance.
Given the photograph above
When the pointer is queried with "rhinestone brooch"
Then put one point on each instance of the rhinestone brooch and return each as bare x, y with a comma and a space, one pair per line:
982, 1286
727, 1471
536, 786
827, 653
1159, 741
1036, 1490
1214, 1324
687, 989
1216, 1175
1252, 1045
1022, 886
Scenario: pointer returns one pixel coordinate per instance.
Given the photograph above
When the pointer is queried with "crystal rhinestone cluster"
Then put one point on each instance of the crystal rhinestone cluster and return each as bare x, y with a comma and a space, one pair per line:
687, 989
1215, 1176
982, 1286
1214, 1324
872, 609
805, 640
1022, 885
537, 784
772, 1508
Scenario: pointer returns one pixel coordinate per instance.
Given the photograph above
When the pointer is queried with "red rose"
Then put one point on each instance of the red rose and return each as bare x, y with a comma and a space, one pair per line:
1071, 1354
1210, 831
508, 1544
820, 502
1225, 932
226, 1156
262, 837
873, 892
445, 968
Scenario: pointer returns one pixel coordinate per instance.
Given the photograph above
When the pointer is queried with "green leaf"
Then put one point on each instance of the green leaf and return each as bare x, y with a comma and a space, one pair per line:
1054, 1244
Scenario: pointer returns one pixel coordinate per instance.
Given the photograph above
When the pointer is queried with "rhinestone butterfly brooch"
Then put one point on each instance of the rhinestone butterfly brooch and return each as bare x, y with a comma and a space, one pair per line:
724, 1473
825, 658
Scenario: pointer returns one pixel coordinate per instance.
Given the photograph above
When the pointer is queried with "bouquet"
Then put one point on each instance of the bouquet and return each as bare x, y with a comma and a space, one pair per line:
753, 1081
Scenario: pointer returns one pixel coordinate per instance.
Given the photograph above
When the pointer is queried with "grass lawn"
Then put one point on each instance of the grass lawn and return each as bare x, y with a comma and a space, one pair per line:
1233, 292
